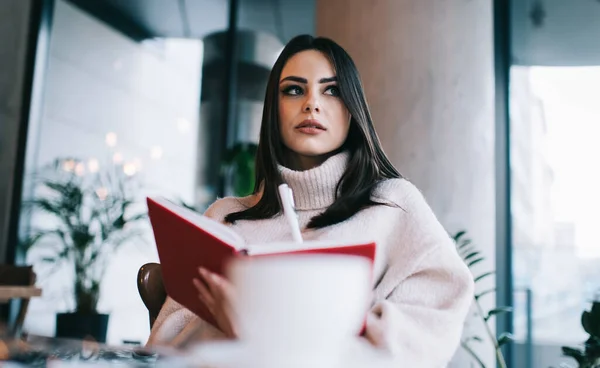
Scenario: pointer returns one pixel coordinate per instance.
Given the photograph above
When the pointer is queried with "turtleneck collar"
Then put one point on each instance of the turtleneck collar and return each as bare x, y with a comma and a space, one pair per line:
315, 188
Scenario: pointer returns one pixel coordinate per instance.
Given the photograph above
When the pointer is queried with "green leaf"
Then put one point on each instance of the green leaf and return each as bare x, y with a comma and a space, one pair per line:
574, 353
595, 309
505, 338
477, 296
480, 277
468, 250
71, 195
119, 223
26, 243
475, 261
31, 240
471, 255
47, 206
458, 235
82, 237
590, 320
59, 188
587, 323
64, 254
497, 311
138, 217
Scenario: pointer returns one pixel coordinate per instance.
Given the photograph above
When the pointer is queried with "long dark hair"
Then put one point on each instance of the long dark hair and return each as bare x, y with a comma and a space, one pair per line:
367, 166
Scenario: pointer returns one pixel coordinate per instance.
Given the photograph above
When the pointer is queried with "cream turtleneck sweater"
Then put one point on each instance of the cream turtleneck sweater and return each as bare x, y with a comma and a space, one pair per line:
422, 289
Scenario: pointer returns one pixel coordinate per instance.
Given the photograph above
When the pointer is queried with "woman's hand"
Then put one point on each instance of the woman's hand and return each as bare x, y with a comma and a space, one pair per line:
217, 294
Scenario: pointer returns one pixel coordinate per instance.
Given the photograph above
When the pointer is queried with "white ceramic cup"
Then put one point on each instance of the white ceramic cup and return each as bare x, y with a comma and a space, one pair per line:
295, 310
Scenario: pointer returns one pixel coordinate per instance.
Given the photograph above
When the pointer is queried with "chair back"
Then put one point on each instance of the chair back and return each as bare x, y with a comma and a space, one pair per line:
151, 288
11, 275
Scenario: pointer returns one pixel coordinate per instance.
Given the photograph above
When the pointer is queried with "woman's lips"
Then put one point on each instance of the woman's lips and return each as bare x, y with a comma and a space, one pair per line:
311, 127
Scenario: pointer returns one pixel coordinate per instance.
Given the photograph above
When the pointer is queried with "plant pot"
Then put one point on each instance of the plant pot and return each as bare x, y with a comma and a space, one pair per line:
80, 326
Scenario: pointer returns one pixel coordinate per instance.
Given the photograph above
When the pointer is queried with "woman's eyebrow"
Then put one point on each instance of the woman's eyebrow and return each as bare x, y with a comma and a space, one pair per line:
295, 79
305, 81
327, 80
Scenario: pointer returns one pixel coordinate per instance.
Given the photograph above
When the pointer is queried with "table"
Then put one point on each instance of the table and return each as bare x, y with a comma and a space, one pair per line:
18, 292
39, 351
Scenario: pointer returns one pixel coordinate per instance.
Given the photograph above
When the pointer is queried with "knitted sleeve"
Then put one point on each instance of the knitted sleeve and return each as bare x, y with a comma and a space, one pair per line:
418, 315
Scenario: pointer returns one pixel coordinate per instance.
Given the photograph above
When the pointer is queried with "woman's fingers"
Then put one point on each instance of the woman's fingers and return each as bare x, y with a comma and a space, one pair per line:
216, 285
204, 293
228, 291
212, 280
217, 292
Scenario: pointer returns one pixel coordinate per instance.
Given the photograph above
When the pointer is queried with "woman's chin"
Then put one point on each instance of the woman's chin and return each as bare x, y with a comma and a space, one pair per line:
311, 152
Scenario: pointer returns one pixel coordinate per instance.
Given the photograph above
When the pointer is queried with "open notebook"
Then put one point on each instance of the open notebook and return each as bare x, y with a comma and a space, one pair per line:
187, 240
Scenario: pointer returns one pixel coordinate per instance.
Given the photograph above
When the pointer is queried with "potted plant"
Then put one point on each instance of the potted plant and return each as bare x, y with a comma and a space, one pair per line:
588, 356
472, 256
238, 168
86, 218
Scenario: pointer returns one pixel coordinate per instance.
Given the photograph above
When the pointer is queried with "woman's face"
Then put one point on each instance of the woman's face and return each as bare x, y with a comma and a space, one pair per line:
313, 119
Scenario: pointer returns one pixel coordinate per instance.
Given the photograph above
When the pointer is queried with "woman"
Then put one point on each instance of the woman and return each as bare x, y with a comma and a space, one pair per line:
317, 136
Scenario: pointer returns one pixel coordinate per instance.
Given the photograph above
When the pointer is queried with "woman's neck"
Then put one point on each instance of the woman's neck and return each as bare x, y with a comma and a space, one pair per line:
298, 162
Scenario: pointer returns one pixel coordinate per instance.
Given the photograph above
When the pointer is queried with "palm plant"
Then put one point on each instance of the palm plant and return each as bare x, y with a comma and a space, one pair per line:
472, 256
86, 218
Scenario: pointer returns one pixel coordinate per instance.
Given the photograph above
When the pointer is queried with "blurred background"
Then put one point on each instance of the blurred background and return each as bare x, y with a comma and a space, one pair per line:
489, 107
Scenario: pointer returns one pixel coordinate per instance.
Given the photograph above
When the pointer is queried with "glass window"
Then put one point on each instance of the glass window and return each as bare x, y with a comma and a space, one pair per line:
111, 103
555, 201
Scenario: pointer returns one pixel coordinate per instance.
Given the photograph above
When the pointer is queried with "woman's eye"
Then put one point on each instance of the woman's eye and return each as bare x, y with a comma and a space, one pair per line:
292, 90
333, 91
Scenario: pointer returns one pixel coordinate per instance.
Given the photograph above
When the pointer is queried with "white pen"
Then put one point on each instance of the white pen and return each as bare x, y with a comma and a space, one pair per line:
289, 211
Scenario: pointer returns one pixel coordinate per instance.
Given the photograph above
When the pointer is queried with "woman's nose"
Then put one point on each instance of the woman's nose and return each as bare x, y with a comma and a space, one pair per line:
312, 104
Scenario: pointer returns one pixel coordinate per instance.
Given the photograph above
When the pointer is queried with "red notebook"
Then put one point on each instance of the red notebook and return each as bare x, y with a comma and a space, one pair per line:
187, 240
